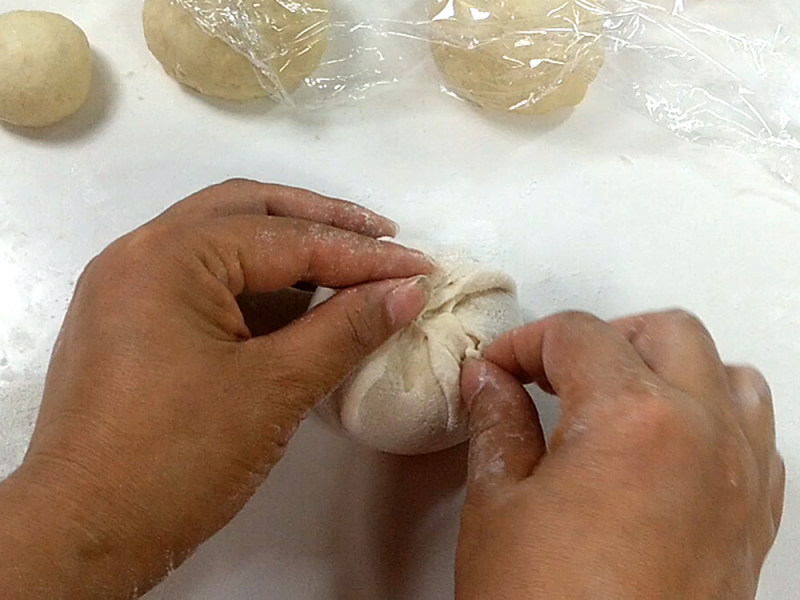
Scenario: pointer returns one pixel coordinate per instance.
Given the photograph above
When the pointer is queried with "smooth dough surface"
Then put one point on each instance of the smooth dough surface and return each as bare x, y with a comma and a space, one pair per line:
526, 56
406, 399
291, 42
45, 68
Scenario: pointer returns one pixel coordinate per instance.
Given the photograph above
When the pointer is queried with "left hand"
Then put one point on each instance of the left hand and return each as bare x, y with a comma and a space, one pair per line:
162, 412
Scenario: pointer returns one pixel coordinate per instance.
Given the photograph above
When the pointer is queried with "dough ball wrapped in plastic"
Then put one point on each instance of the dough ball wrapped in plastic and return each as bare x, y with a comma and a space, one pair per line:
405, 399
280, 44
526, 56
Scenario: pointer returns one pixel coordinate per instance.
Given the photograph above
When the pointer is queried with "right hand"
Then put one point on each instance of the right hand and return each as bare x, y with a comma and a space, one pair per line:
662, 480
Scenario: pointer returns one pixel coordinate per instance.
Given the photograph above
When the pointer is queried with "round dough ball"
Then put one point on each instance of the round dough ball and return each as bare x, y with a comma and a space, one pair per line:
45, 68
526, 56
292, 41
406, 398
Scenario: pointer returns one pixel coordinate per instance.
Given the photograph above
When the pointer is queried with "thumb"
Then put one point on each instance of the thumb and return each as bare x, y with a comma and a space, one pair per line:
313, 354
506, 438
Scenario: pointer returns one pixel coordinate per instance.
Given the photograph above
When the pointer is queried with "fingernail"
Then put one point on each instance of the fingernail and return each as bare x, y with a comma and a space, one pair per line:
395, 227
412, 251
406, 301
421, 254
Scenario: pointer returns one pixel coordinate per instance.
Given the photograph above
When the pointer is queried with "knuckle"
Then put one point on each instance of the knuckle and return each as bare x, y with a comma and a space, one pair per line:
757, 381
752, 391
575, 319
578, 316
656, 423
136, 251
89, 273
299, 229
684, 322
657, 415
127, 266
143, 239
237, 182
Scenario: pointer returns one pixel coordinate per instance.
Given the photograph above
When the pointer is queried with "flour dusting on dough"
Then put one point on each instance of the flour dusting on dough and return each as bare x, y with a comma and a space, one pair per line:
406, 399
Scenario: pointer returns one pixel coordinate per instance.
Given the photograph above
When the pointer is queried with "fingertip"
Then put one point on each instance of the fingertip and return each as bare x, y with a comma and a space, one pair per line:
376, 225
497, 351
518, 352
474, 378
427, 264
491, 394
506, 439
391, 227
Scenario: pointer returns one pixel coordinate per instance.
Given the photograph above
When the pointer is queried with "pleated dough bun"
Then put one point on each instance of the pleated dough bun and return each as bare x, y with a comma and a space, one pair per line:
405, 399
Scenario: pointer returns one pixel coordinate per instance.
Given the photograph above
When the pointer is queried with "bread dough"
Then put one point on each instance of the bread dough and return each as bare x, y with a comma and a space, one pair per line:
290, 38
406, 398
45, 68
526, 56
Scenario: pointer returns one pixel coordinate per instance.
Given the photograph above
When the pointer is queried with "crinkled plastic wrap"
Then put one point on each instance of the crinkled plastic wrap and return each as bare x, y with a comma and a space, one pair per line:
725, 72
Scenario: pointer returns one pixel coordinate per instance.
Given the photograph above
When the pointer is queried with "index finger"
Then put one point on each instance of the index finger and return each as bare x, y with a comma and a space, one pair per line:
264, 254
575, 355
245, 197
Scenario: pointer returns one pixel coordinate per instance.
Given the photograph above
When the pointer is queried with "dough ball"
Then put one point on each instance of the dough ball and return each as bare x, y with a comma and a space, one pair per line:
406, 399
45, 68
526, 56
289, 36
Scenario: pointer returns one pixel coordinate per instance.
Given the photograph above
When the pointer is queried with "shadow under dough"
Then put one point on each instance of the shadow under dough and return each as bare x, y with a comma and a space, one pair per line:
521, 124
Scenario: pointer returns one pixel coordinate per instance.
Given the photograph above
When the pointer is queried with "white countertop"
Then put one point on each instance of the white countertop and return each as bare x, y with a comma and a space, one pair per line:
598, 210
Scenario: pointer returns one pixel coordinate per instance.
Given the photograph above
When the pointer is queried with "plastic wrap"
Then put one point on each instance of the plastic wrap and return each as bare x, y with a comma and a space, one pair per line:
723, 72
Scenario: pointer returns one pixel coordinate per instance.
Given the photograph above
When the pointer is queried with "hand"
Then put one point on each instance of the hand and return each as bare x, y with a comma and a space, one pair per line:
662, 480
162, 413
